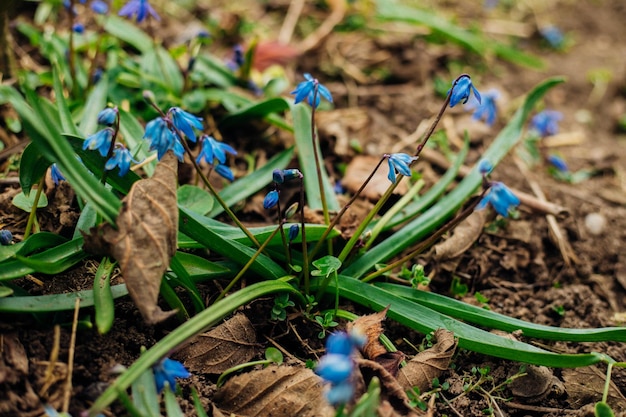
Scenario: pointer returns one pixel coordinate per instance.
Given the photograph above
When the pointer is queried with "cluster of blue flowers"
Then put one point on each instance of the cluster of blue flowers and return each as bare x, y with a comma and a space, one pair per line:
337, 365
279, 176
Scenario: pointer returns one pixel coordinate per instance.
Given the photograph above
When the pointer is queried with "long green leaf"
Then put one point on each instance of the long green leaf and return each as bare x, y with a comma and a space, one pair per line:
258, 110
67, 123
490, 319
426, 320
440, 212
96, 101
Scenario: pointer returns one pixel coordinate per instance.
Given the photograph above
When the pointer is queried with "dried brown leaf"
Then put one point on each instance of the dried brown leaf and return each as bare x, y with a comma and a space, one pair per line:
231, 343
145, 238
464, 236
13, 359
359, 168
537, 384
371, 326
278, 391
420, 371
585, 385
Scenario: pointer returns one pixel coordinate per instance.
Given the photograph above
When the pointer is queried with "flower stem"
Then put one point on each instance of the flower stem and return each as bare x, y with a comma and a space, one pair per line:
32, 217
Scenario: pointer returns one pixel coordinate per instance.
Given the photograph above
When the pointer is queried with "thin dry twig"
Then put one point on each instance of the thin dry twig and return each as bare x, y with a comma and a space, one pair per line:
291, 20
323, 30
70, 360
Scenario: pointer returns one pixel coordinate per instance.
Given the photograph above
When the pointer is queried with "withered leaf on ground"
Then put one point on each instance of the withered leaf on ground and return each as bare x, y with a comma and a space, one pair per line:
371, 326
359, 168
144, 239
420, 371
229, 344
464, 236
277, 391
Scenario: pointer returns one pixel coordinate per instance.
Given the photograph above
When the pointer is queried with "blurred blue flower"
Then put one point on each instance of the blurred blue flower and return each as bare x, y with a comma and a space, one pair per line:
99, 6
139, 8
485, 167
558, 162
237, 60
340, 393
546, 123
294, 231
344, 343
225, 172
553, 36
78, 28
461, 89
185, 122
160, 136
168, 370
6, 237
212, 149
270, 200
335, 367
400, 163
108, 116
121, 158
486, 109
306, 90
281, 175
501, 198
177, 148
100, 140
56, 174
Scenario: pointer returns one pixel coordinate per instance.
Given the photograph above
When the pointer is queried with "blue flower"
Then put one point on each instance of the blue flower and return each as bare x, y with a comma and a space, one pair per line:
270, 200
546, 123
501, 198
461, 89
100, 140
400, 163
213, 149
56, 174
160, 136
294, 231
78, 28
108, 116
558, 162
6, 237
281, 175
237, 59
485, 167
99, 6
140, 8
121, 158
177, 147
344, 343
185, 122
553, 36
335, 367
225, 172
340, 393
168, 370
306, 90
485, 110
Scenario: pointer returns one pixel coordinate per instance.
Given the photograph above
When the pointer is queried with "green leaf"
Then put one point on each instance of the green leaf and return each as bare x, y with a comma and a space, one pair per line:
326, 266
195, 199
33, 167
145, 396
127, 31
200, 268
38, 241
602, 409
67, 123
446, 206
274, 355
26, 202
5, 292
257, 111
158, 62
103, 297
96, 102
198, 404
172, 409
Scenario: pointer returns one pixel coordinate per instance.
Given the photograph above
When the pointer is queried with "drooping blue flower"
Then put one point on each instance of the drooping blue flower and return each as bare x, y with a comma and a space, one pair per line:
225, 172
546, 123
501, 198
340, 393
335, 367
6, 237
121, 158
400, 163
461, 89
213, 149
168, 370
56, 174
344, 343
281, 175
237, 59
485, 110
558, 162
270, 200
78, 28
485, 167
107, 116
185, 122
306, 90
160, 136
294, 231
177, 147
99, 6
100, 140
553, 36
139, 8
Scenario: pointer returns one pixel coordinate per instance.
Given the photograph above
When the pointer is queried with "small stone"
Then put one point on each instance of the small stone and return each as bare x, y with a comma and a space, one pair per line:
595, 223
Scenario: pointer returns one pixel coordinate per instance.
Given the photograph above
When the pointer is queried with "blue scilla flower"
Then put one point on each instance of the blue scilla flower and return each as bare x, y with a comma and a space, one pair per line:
335, 367
294, 231
237, 60
56, 174
121, 158
213, 149
185, 122
306, 90
6, 237
546, 123
486, 109
78, 28
270, 200
485, 167
168, 370
99, 6
553, 36
139, 8
344, 343
558, 163
160, 136
501, 198
461, 89
400, 163
100, 140
225, 172
340, 393
281, 175
177, 147
108, 116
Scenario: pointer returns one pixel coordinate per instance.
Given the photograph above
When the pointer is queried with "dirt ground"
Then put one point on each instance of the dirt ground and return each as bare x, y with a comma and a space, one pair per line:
523, 270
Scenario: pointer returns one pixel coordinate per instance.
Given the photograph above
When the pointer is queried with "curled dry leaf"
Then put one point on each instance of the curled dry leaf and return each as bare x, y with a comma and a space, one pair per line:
465, 234
420, 371
371, 326
231, 343
145, 238
278, 391
537, 384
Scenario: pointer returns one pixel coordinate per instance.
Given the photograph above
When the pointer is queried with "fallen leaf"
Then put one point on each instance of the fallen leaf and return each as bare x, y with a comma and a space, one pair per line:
359, 168
277, 391
13, 359
145, 238
231, 343
420, 371
464, 236
585, 385
371, 326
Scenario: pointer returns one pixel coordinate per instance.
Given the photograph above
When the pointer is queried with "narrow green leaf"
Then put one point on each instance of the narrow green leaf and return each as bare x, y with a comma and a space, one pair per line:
198, 404
96, 102
38, 241
103, 297
256, 111
200, 268
144, 394
127, 31
67, 123
158, 62
132, 132
33, 167
172, 409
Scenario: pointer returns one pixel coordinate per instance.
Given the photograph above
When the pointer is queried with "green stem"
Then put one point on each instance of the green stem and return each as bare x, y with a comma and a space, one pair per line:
305, 252
317, 159
32, 216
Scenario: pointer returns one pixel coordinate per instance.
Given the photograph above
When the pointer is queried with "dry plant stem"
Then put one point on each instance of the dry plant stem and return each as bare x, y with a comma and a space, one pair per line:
70, 360
32, 216
54, 357
291, 20
248, 264
305, 253
345, 208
